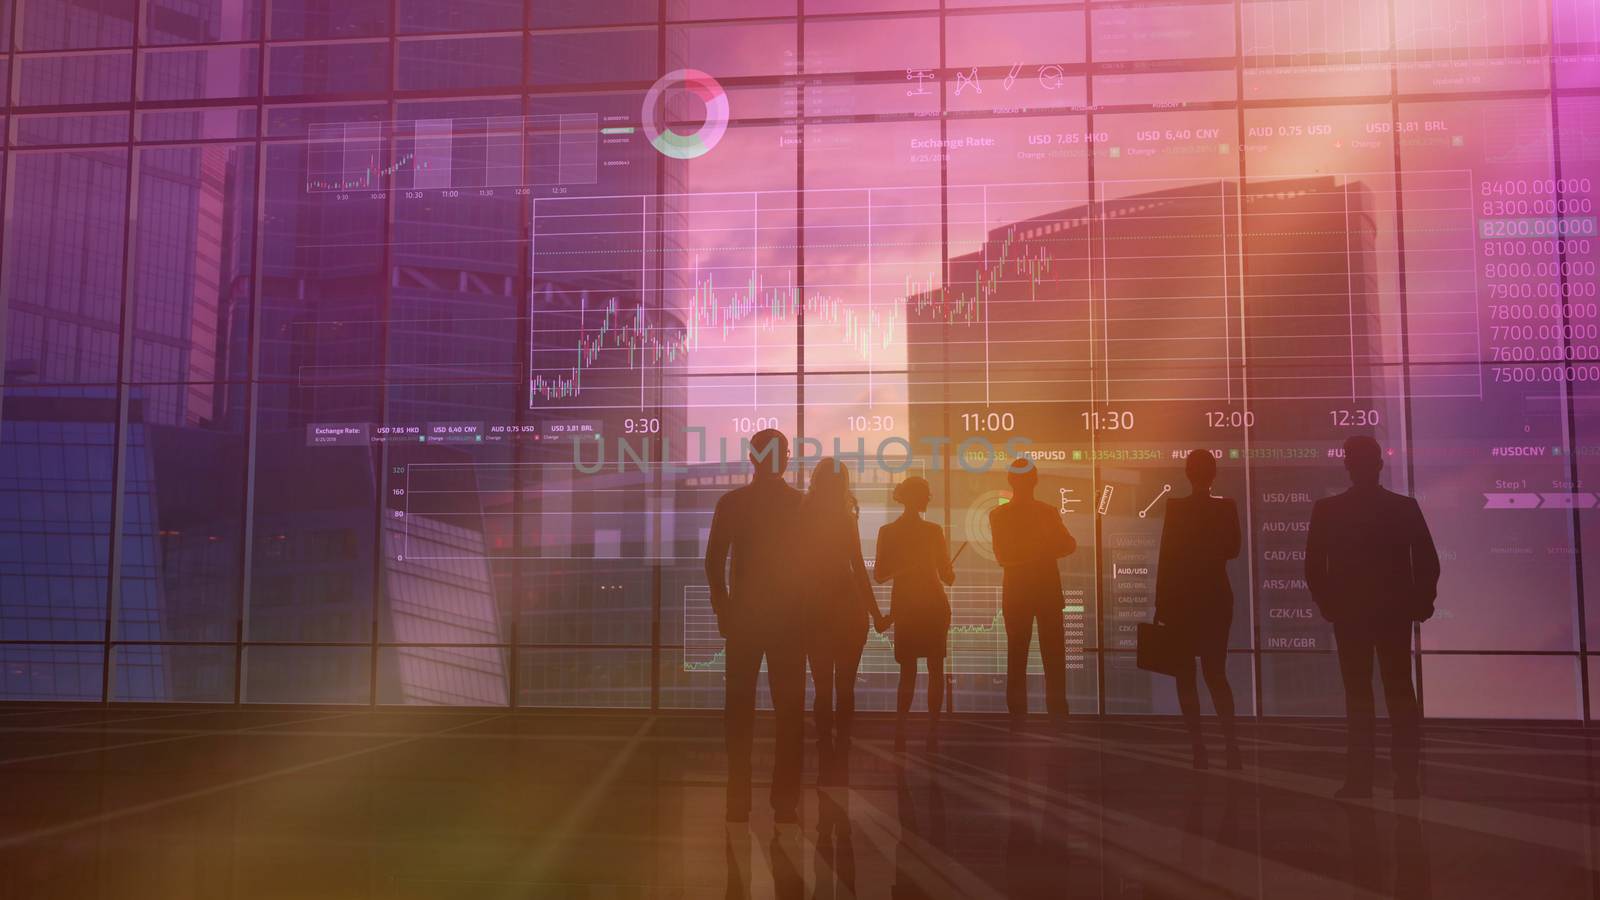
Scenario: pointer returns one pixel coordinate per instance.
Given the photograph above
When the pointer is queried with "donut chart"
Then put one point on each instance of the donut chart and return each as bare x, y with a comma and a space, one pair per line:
696, 143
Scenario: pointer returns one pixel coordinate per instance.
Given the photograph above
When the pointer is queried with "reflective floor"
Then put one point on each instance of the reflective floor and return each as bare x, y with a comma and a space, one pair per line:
167, 803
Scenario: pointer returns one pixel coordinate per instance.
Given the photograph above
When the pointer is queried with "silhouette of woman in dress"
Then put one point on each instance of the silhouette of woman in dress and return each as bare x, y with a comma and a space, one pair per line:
1199, 534
841, 605
912, 553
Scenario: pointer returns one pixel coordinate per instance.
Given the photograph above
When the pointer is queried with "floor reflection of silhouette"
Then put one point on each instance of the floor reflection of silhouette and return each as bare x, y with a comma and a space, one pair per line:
1209, 853
1035, 852
1412, 875
1192, 855
1366, 861
834, 859
928, 824
736, 843
835, 853
788, 871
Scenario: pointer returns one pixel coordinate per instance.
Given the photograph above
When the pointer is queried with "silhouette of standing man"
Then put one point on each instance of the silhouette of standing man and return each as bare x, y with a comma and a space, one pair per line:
757, 525
1029, 538
1372, 570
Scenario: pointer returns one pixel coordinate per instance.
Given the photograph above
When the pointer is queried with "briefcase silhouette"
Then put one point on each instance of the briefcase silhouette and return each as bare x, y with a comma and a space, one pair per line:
1161, 649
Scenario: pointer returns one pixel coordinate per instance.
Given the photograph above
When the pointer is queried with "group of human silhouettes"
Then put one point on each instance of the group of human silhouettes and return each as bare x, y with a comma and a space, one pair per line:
790, 585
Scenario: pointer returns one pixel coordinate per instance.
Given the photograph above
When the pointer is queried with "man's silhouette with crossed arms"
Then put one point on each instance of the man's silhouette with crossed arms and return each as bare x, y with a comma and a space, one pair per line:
1029, 541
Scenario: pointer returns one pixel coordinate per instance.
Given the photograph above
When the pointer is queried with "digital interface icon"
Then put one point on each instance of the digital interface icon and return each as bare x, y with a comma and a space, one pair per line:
696, 143
976, 522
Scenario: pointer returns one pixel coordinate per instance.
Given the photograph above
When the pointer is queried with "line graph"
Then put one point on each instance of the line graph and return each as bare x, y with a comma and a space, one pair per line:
977, 643
1577, 26
715, 313
1315, 32
1331, 32
1126, 291
442, 154
1452, 30
597, 329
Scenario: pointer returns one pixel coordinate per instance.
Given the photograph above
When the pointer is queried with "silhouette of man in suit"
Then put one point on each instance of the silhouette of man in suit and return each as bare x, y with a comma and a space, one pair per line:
1373, 570
1029, 538
760, 616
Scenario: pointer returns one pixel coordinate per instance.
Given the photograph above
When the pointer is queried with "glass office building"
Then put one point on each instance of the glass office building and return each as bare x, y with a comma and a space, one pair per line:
318, 317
